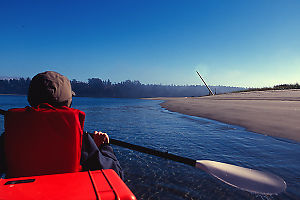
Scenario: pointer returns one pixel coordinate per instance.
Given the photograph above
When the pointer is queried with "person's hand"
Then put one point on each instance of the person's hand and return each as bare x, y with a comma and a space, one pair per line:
100, 138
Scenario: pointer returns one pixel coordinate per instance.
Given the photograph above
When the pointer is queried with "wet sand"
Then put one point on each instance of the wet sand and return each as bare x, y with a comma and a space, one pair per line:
274, 112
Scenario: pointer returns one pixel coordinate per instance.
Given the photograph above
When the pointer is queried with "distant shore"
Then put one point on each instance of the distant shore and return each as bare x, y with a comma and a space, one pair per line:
273, 112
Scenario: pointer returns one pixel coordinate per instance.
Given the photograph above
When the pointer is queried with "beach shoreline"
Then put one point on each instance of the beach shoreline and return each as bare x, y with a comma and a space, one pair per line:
273, 112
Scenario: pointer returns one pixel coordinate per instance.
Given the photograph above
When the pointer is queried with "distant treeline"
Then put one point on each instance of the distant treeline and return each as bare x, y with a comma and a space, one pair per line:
96, 87
14, 86
277, 87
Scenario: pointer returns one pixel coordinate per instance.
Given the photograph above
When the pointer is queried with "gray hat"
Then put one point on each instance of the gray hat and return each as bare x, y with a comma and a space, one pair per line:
50, 87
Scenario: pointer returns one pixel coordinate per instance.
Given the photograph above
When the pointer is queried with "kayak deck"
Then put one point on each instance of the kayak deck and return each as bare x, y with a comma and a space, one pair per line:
99, 184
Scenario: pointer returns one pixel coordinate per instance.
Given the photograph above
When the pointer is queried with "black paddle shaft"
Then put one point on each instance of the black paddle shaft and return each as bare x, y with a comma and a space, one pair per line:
161, 154
154, 152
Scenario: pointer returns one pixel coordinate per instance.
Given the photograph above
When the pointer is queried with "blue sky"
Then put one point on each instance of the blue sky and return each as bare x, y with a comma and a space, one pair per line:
249, 43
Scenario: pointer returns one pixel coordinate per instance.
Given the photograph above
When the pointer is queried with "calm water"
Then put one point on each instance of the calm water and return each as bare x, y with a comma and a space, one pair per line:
145, 123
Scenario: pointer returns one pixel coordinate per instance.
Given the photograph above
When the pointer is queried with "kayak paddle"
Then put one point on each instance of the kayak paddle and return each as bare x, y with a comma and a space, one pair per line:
242, 178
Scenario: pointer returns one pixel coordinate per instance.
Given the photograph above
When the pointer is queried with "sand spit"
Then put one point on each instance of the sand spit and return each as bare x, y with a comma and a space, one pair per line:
274, 112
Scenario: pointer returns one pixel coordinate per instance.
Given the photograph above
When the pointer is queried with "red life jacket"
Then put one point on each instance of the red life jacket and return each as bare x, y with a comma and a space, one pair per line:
43, 140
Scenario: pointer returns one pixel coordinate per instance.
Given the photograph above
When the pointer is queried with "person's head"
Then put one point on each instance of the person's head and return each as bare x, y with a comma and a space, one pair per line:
50, 87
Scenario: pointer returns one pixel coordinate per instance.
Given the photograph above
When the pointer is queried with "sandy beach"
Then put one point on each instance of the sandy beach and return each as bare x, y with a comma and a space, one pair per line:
274, 112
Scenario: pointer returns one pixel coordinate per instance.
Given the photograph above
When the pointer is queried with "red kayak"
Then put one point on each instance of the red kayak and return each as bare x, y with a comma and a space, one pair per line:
99, 184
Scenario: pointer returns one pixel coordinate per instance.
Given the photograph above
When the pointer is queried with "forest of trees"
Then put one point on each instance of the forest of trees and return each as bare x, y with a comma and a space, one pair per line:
96, 87
276, 87
14, 86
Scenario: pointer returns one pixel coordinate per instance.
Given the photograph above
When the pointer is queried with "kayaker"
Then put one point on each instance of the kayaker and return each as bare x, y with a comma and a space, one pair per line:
53, 89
